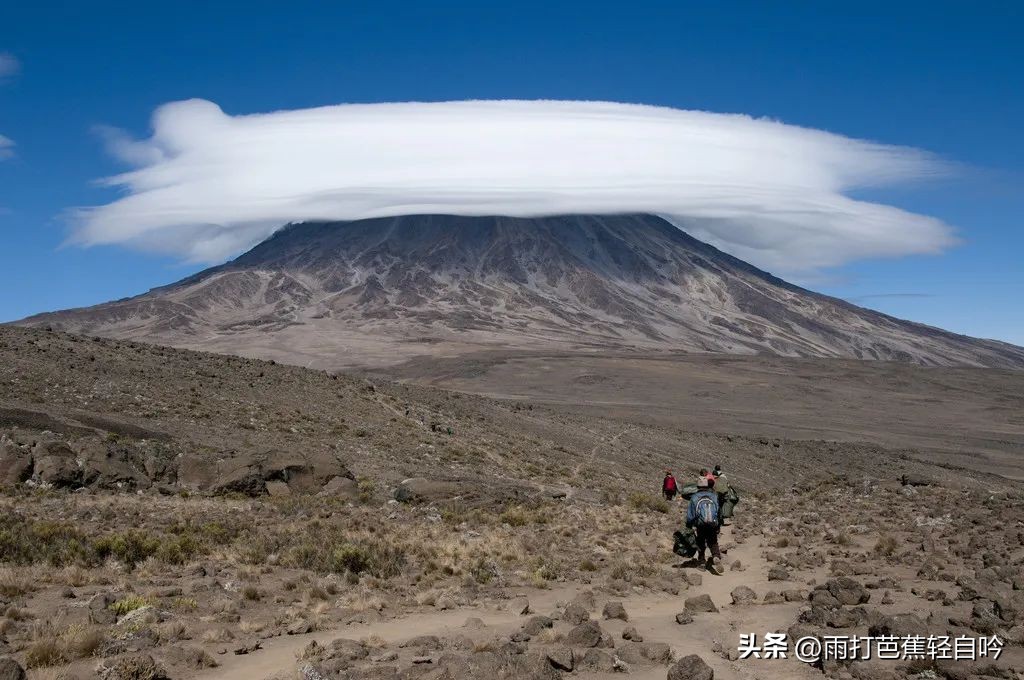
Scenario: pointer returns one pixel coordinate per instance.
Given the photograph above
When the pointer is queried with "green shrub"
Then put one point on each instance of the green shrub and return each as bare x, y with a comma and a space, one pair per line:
23, 542
129, 547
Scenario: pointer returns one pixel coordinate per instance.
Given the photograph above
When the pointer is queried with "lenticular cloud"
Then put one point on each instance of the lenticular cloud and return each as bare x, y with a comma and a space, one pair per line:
207, 185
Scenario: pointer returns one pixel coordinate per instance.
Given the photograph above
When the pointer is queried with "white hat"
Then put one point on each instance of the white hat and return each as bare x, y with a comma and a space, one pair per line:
702, 482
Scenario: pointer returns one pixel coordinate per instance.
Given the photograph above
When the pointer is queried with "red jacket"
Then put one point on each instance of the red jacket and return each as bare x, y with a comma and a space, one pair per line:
669, 483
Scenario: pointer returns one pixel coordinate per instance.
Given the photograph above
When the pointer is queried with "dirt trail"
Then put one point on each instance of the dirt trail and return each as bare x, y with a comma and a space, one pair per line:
652, 614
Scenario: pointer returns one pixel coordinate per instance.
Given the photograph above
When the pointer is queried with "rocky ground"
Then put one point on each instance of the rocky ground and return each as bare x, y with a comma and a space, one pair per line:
183, 515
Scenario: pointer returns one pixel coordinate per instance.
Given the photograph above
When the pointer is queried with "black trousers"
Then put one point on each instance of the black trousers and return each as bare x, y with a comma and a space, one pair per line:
707, 537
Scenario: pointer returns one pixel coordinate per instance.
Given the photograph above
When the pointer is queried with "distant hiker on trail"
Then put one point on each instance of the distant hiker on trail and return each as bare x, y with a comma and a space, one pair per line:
702, 517
668, 486
722, 489
706, 475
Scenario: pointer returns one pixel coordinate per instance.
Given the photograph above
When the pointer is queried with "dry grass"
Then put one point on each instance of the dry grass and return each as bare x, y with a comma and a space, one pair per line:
886, 546
16, 582
81, 641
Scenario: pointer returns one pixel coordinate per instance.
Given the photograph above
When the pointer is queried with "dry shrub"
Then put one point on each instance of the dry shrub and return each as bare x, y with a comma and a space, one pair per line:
218, 635
16, 582
886, 546
80, 642
44, 649
549, 636
647, 503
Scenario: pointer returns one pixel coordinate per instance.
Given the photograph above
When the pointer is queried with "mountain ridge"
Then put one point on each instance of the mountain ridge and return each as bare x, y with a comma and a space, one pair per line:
372, 292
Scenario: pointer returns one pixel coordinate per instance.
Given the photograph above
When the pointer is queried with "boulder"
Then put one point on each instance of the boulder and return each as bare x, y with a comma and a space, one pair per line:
575, 614
11, 670
823, 598
587, 634
419, 490
423, 643
278, 489
631, 633
845, 590
637, 653
615, 610
684, 617
537, 624
15, 464
586, 599
519, 605
596, 660
793, 595
743, 595
778, 574
299, 627
140, 667
239, 476
99, 609
347, 649
898, 625
55, 463
561, 658
691, 667
700, 603
341, 487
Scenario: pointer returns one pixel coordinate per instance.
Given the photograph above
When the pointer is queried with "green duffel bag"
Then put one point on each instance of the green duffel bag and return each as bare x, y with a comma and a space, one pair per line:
688, 490
729, 504
684, 543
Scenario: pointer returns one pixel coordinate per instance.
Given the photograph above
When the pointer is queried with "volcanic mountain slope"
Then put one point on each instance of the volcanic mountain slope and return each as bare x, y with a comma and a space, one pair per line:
378, 291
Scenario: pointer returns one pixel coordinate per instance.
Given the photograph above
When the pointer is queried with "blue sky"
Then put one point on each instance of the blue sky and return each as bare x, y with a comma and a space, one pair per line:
944, 77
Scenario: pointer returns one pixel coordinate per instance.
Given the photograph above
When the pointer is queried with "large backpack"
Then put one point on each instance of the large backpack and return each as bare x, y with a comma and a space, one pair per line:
706, 511
684, 543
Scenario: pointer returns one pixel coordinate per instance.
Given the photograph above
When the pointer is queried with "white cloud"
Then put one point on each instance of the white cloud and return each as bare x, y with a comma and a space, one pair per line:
6, 148
207, 185
9, 65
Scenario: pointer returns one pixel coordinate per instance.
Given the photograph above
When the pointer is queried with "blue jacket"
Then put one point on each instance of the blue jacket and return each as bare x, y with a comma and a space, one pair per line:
691, 509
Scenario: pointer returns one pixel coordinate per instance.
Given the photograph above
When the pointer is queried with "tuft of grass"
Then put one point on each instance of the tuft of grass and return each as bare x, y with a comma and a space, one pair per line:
519, 516
81, 642
129, 604
44, 649
647, 503
15, 583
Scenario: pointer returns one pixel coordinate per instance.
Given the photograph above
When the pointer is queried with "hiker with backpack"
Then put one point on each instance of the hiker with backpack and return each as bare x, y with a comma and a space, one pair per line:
702, 517
668, 486
722, 491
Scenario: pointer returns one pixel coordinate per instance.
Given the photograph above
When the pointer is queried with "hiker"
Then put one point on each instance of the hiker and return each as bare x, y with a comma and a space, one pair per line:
702, 517
722, 489
668, 486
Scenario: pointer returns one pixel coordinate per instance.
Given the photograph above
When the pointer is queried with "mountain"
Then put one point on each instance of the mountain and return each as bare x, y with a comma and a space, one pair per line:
375, 292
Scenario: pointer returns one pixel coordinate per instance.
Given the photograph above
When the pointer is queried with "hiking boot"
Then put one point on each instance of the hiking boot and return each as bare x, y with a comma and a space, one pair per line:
700, 557
713, 568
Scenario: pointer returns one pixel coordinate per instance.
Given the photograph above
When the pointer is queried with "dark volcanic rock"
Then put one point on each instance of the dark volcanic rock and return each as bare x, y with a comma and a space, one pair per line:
11, 670
691, 667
